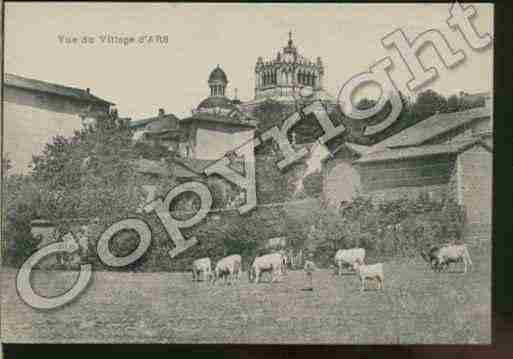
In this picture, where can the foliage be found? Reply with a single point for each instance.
(20, 201)
(387, 229)
(426, 104)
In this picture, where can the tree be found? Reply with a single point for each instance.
(89, 174)
(428, 103)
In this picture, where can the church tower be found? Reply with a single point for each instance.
(287, 74)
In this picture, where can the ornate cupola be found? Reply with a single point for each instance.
(285, 75)
(217, 82)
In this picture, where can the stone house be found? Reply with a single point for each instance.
(35, 111)
(162, 129)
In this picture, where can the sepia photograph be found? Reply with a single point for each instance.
(247, 173)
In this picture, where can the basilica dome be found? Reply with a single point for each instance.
(216, 102)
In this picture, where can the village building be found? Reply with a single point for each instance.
(34, 111)
(217, 125)
(162, 130)
(447, 155)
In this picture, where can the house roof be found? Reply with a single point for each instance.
(390, 154)
(47, 87)
(433, 126)
(218, 118)
(156, 124)
(196, 165)
(172, 168)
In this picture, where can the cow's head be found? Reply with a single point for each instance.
(357, 263)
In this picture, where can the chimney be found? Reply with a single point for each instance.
(161, 112)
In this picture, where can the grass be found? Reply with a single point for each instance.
(417, 306)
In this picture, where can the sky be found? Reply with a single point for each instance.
(140, 78)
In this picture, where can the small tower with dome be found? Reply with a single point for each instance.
(217, 82)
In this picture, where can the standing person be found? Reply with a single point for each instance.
(309, 268)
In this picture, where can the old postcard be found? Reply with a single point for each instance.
(247, 173)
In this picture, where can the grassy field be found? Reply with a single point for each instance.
(417, 306)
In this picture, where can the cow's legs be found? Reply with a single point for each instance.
(339, 268)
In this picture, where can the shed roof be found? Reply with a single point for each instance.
(433, 126)
(390, 154)
(47, 87)
(196, 165)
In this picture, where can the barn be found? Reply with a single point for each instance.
(445, 155)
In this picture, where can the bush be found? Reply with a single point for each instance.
(399, 228)
(21, 200)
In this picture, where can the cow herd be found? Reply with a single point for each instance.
(229, 268)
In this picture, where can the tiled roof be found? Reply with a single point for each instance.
(47, 87)
(217, 118)
(196, 165)
(166, 122)
(433, 126)
(170, 168)
(420, 151)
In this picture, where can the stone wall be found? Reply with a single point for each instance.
(341, 180)
(475, 186)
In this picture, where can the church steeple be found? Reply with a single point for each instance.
(290, 48)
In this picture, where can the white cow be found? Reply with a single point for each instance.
(202, 265)
(453, 254)
(284, 262)
(348, 257)
(372, 271)
(272, 263)
(229, 268)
